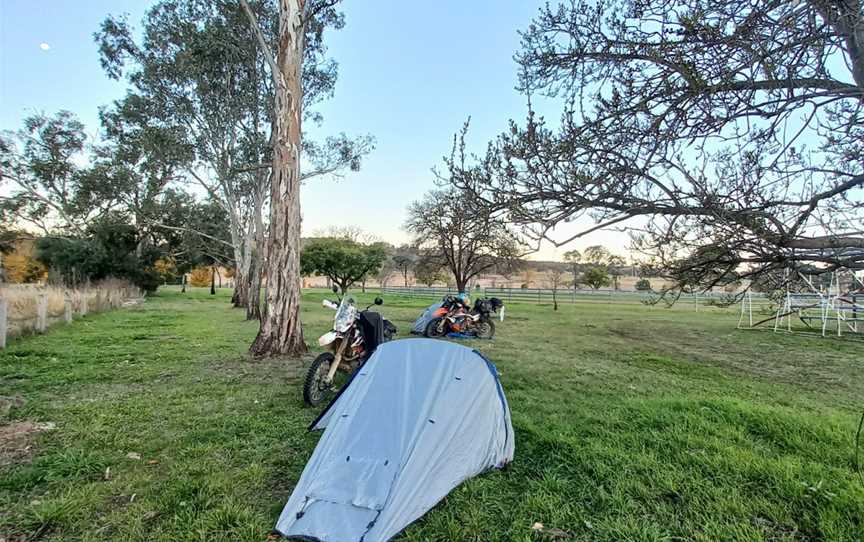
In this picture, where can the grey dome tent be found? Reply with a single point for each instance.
(418, 419)
(423, 320)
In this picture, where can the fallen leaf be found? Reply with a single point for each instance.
(153, 462)
(149, 515)
(133, 455)
(107, 474)
(537, 526)
(273, 536)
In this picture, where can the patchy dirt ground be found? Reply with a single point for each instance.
(17, 440)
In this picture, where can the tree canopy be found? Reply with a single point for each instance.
(465, 239)
(596, 277)
(48, 188)
(724, 135)
(343, 261)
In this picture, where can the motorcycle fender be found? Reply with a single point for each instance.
(327, 338)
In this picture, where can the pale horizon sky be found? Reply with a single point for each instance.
(409, 74)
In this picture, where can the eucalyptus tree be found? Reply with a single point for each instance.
(724, 135)
(298, 52)
(197, 71)
(192, 232)
(138, 160)
(598, 256)
(201, 68)
(46, 186)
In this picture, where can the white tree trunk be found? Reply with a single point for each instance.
(280, 332)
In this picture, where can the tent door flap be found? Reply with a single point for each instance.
(356, 481)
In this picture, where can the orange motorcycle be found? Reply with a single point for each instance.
(455, 316)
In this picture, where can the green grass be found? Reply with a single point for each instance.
(632, 423)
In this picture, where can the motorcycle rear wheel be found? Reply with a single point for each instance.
(315, 391)
(436, 328)
(485, 329)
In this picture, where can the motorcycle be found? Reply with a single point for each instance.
(454, 316)
(354, 337)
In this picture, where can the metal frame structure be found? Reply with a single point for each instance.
(829, 310)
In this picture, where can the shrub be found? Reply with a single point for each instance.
(201, 277)
(643, 285)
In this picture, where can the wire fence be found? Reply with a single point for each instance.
(26, 309)
(600, 296)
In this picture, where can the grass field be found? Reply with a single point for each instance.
(632, 423)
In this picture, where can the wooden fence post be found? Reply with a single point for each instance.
(84, 304)
(41, 313)
(3, 323)
(67, 309)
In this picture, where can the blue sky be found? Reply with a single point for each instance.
(410, 74)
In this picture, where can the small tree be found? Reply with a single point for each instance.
(573, 257)
(405, 259)
(343, 261)
(554, 279)
(614, 265)
(596, 277)
(599, 256)
(462, 237)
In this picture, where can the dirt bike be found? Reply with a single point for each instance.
(354, 337)
(456, 317)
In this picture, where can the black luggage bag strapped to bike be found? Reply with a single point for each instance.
(376, 329)
(372, 327)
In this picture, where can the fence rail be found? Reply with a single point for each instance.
(569, 295)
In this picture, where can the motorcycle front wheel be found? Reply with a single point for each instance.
(436, 328)
(485, 329)
(315, 390)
